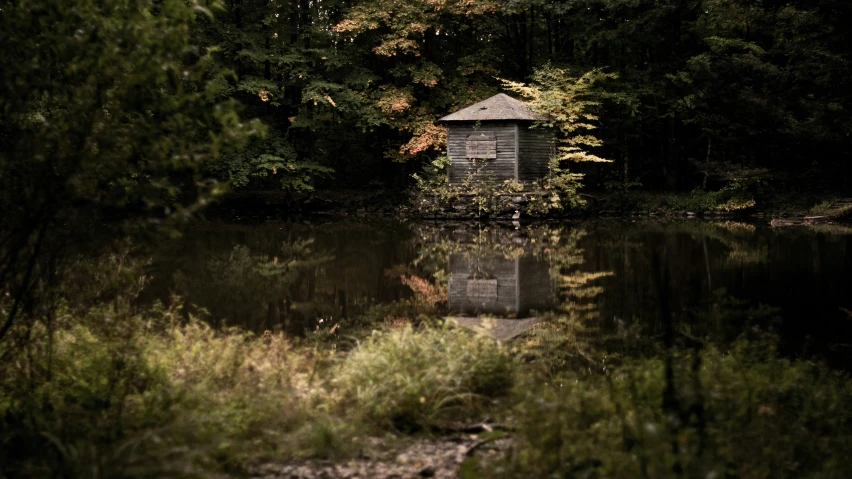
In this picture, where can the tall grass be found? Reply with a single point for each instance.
(116, 393)
(132, 395)
(413, 379)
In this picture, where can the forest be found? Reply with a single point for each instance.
(702, 93)
(350, 91)
(679, 308)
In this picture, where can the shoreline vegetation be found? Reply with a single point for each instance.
(780, 209)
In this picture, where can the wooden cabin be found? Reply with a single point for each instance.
(493, 141)
(490, 283)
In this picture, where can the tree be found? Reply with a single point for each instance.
(570, 102)
(108, 112)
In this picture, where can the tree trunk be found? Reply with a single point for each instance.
(707, 162)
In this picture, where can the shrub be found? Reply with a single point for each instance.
(483, 195)
(744, 414)
(246, 397)
(832, 209)
(413, 379)
(115, 394)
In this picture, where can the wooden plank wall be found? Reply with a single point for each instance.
(489, 265)
(536, 147)
(537, 290)
(499, 169)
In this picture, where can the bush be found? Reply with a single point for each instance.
(483, 195)
(744, 414)
(131, 395)
(246, 397)
(412, 379)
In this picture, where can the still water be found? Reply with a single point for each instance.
(717, 280)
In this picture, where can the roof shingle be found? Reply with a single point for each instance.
(498, 107)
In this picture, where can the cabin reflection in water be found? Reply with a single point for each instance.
(497, 295)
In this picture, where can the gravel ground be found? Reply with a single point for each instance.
(438, 458)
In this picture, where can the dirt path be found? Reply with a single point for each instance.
(438, 458)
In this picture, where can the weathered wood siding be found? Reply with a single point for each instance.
(498, 169)
(523, 285)
(482, 271)
(536, 287)
(535, 148)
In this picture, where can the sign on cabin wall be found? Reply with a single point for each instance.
(481, 146)
(482, 290)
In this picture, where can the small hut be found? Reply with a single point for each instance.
(490, 283)
(492, 140)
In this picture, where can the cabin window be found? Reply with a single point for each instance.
(481, 146)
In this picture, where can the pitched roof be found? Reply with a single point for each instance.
(498, 107)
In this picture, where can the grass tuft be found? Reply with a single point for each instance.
(413, 379)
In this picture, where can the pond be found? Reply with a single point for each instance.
(714, 280)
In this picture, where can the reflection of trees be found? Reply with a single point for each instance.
(570, 335)
(704, 257)
(725, 279)
(288, 277)
(255, 290)
(601, 302)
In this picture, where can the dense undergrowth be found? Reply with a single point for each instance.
(146, 395)
(415, 379)
(479, 195)
(155, 395)
(744, 412)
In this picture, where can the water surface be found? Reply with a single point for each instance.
(718, 280)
